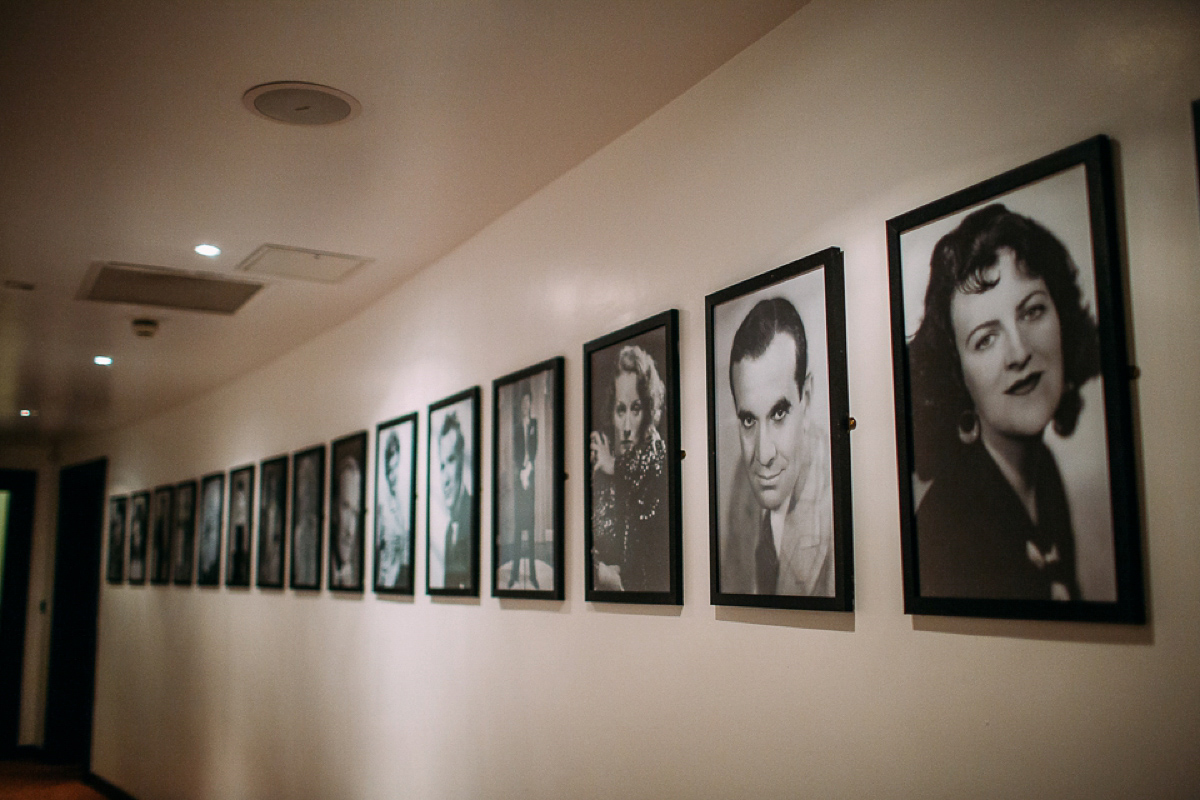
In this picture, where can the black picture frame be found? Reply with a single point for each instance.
(209, 542)
(527, 482)
(308, 517)
(633, 538)
(210, 535)
(272, 523)
(1196, 136)
(161, 525)
(780, 504)
(347, 512)
(139, 536)
(395, 542)
(1044, 352)
(240, 530)
(183, 534)
(114, 571)
(452, 554)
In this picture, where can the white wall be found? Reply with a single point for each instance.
(846, 115)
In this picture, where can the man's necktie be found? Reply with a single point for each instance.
(766, 559)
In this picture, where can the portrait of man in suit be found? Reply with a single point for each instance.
(161, 543)
(778, 539)
(456, 499)
(525, 446)
(347, 502)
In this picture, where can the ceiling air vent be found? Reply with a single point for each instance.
(139, 285)
(297, 262)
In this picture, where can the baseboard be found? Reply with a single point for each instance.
(105, 788)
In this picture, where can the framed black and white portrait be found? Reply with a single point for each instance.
(452, 499)
(308, 513)
(395, 504)
(139, 525)
(347, 505)
(779, 442)
(240, 529)
(1196, 133)
(632, 527)
(1014, 440)
(212, 515)
(162, 523)
(272, 517)
(115, 570)
(183, 535)
(527, 482)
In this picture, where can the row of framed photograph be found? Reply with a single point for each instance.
(178, 533)
(1013, 431)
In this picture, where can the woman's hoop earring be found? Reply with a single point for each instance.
(968, 426)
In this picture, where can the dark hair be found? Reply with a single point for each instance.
(650, 387)
(960, 262)
(766, 320)
(450, 424)
(391, 448)
(523, 391)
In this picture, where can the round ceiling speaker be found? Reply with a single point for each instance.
(299, 103)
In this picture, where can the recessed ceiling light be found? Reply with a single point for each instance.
(210, 250)
(103, 361)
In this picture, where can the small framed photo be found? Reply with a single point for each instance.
(162, 525)
(779, 441)
(347, 504)
(632, 526)
(115, 570)
(241, 520)
(1014, 438)
(527, 482)
(272, 516)
(1196, 132)
(395, 504)
(308, 516)
(452, 498)
(139, 523)
(212, 515)
(183, 536)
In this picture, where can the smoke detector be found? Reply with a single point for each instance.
(145, 327)
(300, 103)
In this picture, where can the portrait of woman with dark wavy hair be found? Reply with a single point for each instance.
(1007, 342)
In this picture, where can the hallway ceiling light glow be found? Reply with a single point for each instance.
(25, 412)
(103, 361)
(210, 250)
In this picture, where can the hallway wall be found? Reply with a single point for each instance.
(848, 114)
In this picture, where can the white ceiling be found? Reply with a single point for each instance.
(123, 138)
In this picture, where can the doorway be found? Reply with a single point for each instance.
(18, 488)
(71, 684)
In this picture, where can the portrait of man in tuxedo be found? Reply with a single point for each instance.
(525, 446)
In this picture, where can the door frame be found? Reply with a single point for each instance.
(14, 605)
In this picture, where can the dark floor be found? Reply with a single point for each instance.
(31, 780)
